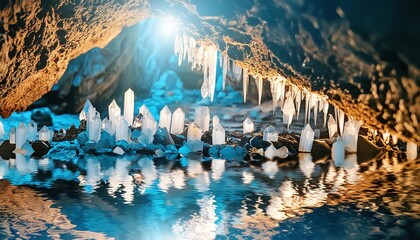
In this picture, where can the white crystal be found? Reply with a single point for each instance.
(149, 126)
(245, 81)
(95, 126)
(216, 120)
(350, 135)
(272, 152)
(87, 106)
(114, 111)
(121, 132)
(259, 83)
(143, 110)
(332, 126)
(412, 151)
(44, 134)
(118, 151)
(178, 118)
(306, 139)
(194, 132)
(20, 135)
(224, 70)
(337, 151)
(270, 134)
(386, 136)
(209, 69)
(129, 106)
(202, 118)
(165, 118)
(248, 126)
(32, 131)
(25, 150)
(12, 135)
(82, 115)
(218, 136)
(325, 111)
(106, 125)
(288, 111)
(1, 130)
(305, 164)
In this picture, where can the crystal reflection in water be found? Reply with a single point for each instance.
(134, 198)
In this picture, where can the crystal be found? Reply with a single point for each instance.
(270, 134)
(32, 131)
(224, 70)
(1, 130)
(386, 137)
(118, 151)
(143, 110)
(95, 126)
(178, 118)
(341, 121)
(337, 152)
(306, 165)
(283, 152)
(165, 118)
(202, 118)
(216, 120)
(248, 126)
(44, 134)
(149, 126)
(218, 136)
(20, 135)
(394, 139)
(259, 83)
(87, 106)
(12, 135)
(114, 111)
(350, 135)
(306, 139)
(288, 111)
(271, 152)
(82, 115)
(25, 150)
(245, 81)
(121, 130)
(307, 97)
(332, 126)
(411, 150)
(194, 132)
(209, 70)
(129, 106)
(106, 125)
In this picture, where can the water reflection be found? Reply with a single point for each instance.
(207, 199)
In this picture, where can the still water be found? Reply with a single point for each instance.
(138, 197)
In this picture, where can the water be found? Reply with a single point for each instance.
(137, 197)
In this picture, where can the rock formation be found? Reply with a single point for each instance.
(363, 55)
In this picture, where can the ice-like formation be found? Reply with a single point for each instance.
(20, 135)
(114, 111)
(306, 139)
(25, 150)
(149, 126)
(306, 165)
(218, 136)
(44, 134)
(1, 130)
(224, 70)
(165, 118)
(332, 126)
(202, 118)
(12, 135)
(341, 121)
(32, 131)
(143, 110)
(350, 135)
(217, 168)
(288, 111)
(411, 150)
(270, 134)
(259, 82)
(216, 120)
(178, 119)
(272, 152)
(129, 106)
(248, 126)
(338, 151)
(325, 111)
(194, 132)
(95, 126)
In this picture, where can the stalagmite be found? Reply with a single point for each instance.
(259, 83)
(129, 106)
(165, 118)
(32, 131)
(143, 110)
(194, 132)
(12, 135)
(270, 134)
(21, 133)
(178, 118)
(216, 120)
(332, 126)
(306, 139)
(248, 126)
(218, 136)
(121, 132)
(337, 151)
(106, 125)
(298, 101)
(149, 126)
(350, 135)
(411, 150)
(202, 118)
(44, 134)
(245, 82)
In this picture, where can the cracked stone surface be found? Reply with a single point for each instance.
(363, 55)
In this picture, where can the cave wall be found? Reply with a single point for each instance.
(363, 55)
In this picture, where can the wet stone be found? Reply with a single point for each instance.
(41, 148)
(6, 150)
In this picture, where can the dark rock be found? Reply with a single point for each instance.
(163, 137)
(258, 142)
(207, 137)
(41, 148)
(179, 139)
(42, 117)
(367, 151)
(320, 151)
(6, 150)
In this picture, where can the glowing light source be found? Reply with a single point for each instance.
(168, 25)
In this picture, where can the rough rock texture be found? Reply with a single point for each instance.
(39, 38)
(363, 55)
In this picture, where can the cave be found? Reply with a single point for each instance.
(188, 119)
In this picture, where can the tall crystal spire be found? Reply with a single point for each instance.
(129, 106)
(202, 118)
(178, 119)
(165, 118)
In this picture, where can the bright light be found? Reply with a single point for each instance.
(168, 25)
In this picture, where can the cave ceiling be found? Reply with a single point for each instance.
(363, 55)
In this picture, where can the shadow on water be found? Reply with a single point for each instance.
(141, 198)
